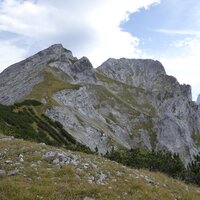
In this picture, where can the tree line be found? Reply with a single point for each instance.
(162, 161)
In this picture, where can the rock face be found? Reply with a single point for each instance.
(124, 103)
(18, 80)
(136, 72)
(198, 100)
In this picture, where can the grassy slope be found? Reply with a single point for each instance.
(40, 179)
(52, 83)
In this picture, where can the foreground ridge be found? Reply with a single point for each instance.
(37, 171)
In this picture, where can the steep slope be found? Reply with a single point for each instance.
(198, 100)
(135, 72)
(176, 119)
(125, 103)
(22, 120)
(37, 171)
(18, 80)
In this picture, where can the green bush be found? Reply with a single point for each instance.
(20, 120)
(193, 170)
(163, 161)
(28, 102)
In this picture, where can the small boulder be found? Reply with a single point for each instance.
(2, 172)
(8, 162)
(13, 172)
(49, 155)
(88, 198)
(21, 158)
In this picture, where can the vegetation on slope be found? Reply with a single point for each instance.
(162, 161)
(193, 170)
(127, 94)
(53, 81)
(21, 120)
(43, 174)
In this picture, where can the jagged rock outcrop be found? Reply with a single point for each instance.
(172, 102)
(124, 103)
(18, 80)
(198, 100)
(137, 72)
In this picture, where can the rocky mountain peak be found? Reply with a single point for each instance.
(56, 50)
(125, 103)
(18, 80)
(57, 47)
(136, 72)
(41, 58)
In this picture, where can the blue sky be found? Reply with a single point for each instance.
(166, 30)
(170, 32)
(157, 27)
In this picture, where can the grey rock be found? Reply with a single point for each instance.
(101, 178)
(49, 154)
(33, 165)
(18, 80)
(148, 180)
(79, 71)
(2, 172)
(88, 198)
(3, 138)
(198, 100)
(74, 162)
(13, 172)
(56, 161)
(21, 158)
(123, 103)
(136, 72)
(61, 158)
(118, 173)
(8, 162)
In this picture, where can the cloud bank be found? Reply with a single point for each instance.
(90, 28)
(186, 67)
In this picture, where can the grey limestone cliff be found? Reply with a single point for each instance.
(124, 103)
(198, 100)
(176, 120)
(137, 72)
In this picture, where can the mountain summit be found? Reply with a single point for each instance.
(123, 104)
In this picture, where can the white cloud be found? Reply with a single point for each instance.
(186, 67)
(10, 54)
(90, 28)
(179, 32)
(26, 18)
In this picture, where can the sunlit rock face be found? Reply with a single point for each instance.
(124, 103)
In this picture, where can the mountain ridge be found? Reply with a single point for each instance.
(124, 103)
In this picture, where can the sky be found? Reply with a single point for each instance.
(164, 30)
